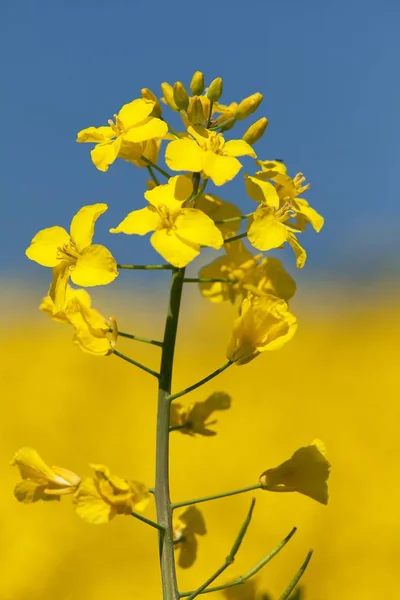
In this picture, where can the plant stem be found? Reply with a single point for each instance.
(136, 363)
(201, 382)
(236, 237)
(152, 175)
(208, 280)
(147, 521)
(130, 336)
(296, 578)
(146, 267)
(231, 556)
(156, 167)
(253, 571)
(233, 219)
(249, 488)
(162, 496)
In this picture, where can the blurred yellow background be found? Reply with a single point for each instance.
(337, 380)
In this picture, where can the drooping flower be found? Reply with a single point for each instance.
(247, 273)
(194, 419)
(179, 231)
(306, 472)
(41, 482)
(264, 323)
(187, 524)
(91, 328)
(207, 153)
(100, 498)
(123, 136)
(73, 255)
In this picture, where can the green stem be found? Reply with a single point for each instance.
(233, 219)
(199, 191)
(201, 382)
(148, 521)
(178, 427)
(223, 124)
(231, 556)
(253, 571)
(146, 267)
(236, 237)
(156, 167)
(210, 114)
(162, 495)
(152, 175)
(136, 363)
(130, 336)
(297, 577)
(249, 488)
(208, 280)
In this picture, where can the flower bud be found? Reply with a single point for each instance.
(197, 83)
(248, 106)
(168, 92)
(181, 96)
(255, 131)
(195, 111)
(148, 95)
(214, 91)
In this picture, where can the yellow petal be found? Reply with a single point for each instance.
(310, 214)
(95, 266)
(274, 279)
(32, 466)
(150, 128)
(300, 253)
(196, 227)
(238, 148)
(220, 169)
(266, 232)
(219, 210)
(90, 506)
(172, 194)
(184, 155)
(262, 191)
(99, 346)
(58, 288)
(44, 246)
(173, 249)
(95, 134)
(103, 155)
(150, 150)
(272, 167)
(82, 225)
(134, 112)
(216, 291)
(139, 222)
(29, 491)
(132, 152)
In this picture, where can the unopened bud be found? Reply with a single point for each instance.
(181, 96)
(195, 111)
(214, 91)
(255, 131)
(148, 95)
(197, 83)
(248, 106)
(168, 92)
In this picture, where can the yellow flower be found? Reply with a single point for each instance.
(219, 210)
(133, 125)
(264, 323)
(207, 153)
(91, 328)
(247, 272)
(187, 524)
(194, 419)
(41, 482)
(100, 498)
(288, 190)
(73, 255)
(306, 472)
(178, 231)
(268, 229)
(149, 149)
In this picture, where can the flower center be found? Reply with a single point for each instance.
(68, 253)
(117, 126)
(215, 143)
(167, 218)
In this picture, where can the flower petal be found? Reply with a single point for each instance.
(300, 253)
(134, 112)
(99, 346)
(90, 506)
(95, 134)
(216, 291)
(310, 214)
(58, 288)
(32, 466)
(150, 128)
(29, 491)
(173, 249)
(196, 227)
(103, 155)
(238, 148)
(184, 155)
(265, 231)
(220, 169)
(262, 191)
(219, 210)
(44, 246)
(95, 266)
(171, 194)
(139, 222)
(82, 225)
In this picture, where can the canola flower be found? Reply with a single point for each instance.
(183, 219)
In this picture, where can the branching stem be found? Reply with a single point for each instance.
(136, 363)
(249, 488)
(201, 382)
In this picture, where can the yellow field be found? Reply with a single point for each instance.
(337, 380)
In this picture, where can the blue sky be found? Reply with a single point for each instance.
(329, 73)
